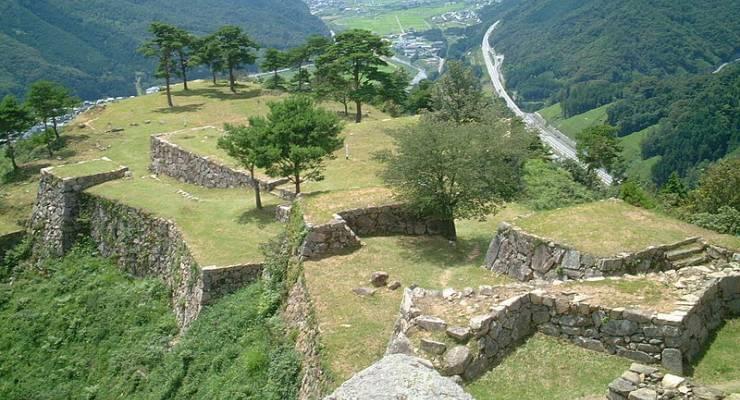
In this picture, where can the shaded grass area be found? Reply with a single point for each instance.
(221, 227)
(575, 124)
(718, 365)
(609, 227)
(84, 329)
(355, 330)
(547, 368)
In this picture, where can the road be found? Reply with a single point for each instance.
(561, 145)
(421, 74)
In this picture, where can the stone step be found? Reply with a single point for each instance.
(690, 262)
(683, 243)
(683, 253)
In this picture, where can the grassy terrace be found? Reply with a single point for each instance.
(385, 18)
(609, 227)
(347, 320)
(85, 168)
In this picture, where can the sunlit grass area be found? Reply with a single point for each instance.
(575, 124)
(611, 226)
(431, 262)
(85, 168)
(718, 365)
(547, 368)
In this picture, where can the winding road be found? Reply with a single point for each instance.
(561, 145)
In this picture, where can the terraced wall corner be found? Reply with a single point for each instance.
(526, 256)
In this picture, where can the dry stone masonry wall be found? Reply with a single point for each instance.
(643, 382)
(469, 349)
(10, 240)
(525, 256)
(141, 244)
(172, 160)
(343, 232)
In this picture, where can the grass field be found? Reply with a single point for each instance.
(637, 168)
(609, 227)
(575, 124)
(546, 368)
(85, 168)
(386, 20)
(718, 365)
(431, 262)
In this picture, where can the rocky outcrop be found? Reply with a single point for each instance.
(526, 256)
(399, 376)
(172, 160)
(672, 339)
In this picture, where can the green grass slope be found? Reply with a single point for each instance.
(575, 124)
(84, 330)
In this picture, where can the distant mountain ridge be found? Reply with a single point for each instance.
(90, 45)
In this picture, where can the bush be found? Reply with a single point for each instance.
(726, 220)
(547, 187)
(632, 193)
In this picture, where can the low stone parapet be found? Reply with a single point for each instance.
(643, 382)
(526, 256)
(10, 240)
(174, 161)
(220, 281)
(329, 238)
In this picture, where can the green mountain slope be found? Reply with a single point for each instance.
(561, 49)
(90, 45)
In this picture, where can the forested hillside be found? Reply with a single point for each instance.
(90, 45)
(580, 53)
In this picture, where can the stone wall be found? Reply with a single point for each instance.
(53, 223)
(389, 220)
(672, 339)
(643, 382)
(172, 160)
(10, 240)
(525, 256)
(299, 317)
(329, 238)
(343, 232)
(141, 244)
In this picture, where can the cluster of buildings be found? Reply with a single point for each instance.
(413, 46)
(463, 17)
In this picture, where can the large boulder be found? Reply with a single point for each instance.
(398, 376)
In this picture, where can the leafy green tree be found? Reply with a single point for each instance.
(208, 53)
(328, 83)
(548, 187)
(718, 187)
(392, 91)
(598, 147)
(420, 97)
(183, 45)
(237, 49)
(298, 137)
(163, 46)
(446, 171)
(631, 192)
(458, 96)
(358, 54)
(15, 119)
(274, 60)
(243, 143)
(49, 101)
(300, 56)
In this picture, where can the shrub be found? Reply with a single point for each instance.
(632, 193)
(547, 187)
(726, 220)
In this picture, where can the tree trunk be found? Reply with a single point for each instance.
(167, 89)
(300, 76)
(449, 231)
(358, 115)
(11, 153)
(54, 125)
(183, 70)
(48, 142)
(213, 71)
(232, 83)
(297, 184)
(256, 183)
(346, 108)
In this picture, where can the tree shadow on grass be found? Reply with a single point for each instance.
(260, 218)
(219, 94)
(24, 173)
(180, 109)
(442, 253)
